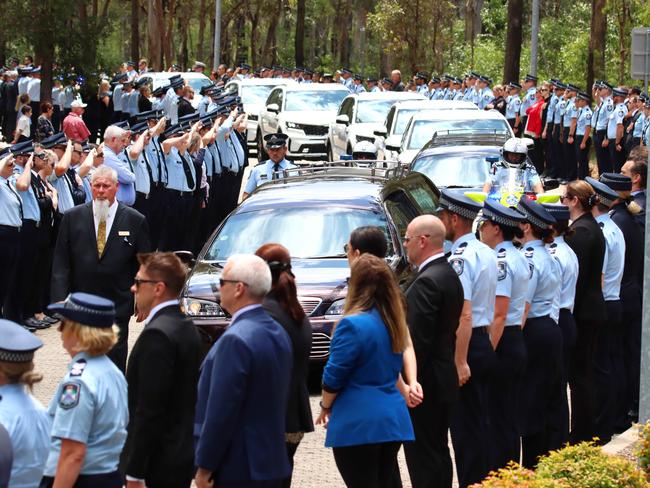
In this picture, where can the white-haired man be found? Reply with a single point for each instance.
(96, 252)
(243, 387)
(114, 144)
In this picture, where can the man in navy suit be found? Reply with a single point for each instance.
(243, 388)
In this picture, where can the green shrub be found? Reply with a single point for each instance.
(516, 476)
(643, 448)
(585, 465)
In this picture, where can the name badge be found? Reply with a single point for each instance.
(124, 233)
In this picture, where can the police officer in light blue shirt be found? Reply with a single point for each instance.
(609, 349)
(276, 145)
(485, 92)
(513, 104)
(530, 88)
(498, 225)
(582, 140)
(645, 134)
(357, 84)
(541, 395)
(562, 314)
(22, 415)
(433, 87)
(89, 406)
(114, 157)
(476, 266)
(170, 101)
(569, 167)
(421, 87)
(614, 142)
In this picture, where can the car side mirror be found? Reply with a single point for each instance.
(380, 132)
(393, 147)
(186, 257)
(551, 184)
(343, 119)
(273, 107)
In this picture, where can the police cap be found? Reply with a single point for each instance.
(604, 84)
(386, 81)
(158, 92)
(422, 75)
(17, 345)
(245, 66)
(535, 213)
(22, 148)
(583, 96)
(173, 130)
(346, 71)
(148, 115)
(358, 77)
(273, 141)
(616, 181)
(560, 86)
(514, 84)
(572, 88)
(139, 127)
(530, 77)
(456, 202)
(119, 78)
(124, 124)
(560, 212)
(606, 194)
(500, 214)
(86, 309)
(619, 92)
(485, 79)
(189, 119)
(54, 140)
(371, 79)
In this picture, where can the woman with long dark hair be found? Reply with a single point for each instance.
(366, 416)
(282, 304)
(588, 243)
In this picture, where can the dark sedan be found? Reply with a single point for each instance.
(313, 217)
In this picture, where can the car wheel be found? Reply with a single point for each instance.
(261, 152)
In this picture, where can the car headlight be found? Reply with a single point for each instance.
(201, 308)
(365, 138)
(336, 308)
(293, 125)
(252, 117)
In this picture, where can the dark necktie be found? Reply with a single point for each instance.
(188, 172)
(276, 168)
(20, 202)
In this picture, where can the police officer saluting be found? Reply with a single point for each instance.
(614, 141)
(476, 266)
(276, 146)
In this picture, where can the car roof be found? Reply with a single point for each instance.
(458, 149)
(397, 96)
(427, 114)
(337, 191)
(316, 87)
(262, 81)
(169, 74)
(436, 105)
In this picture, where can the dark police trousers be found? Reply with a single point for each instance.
(569, 164)
(616, 158)
(470, 421)
(505, 388)
(602, 154)
(541, 393)
(631, 301)
(582, 155)
(569, 335)
(108, 480)
(18, 292)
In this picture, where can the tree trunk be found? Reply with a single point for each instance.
(240, 48)
(269, 55)
(202, 18)
(596, 55)
(513, 41)
(300, 33)
(169, 34)
(135, 31)
(622, 16)
(155, 18)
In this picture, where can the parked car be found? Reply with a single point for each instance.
(253, 93)
(195, 80)
(359, 116)
(312, 214)
(422, 127)
(304, 113)
(399, 115)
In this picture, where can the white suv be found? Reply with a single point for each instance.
(303, 112)
(359, 116)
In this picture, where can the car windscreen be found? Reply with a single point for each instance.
(423, 130)
(255, 94)
(370, 111)
(461, 169)
(403, 117)
(305, 231)
(317, 100)
(197, 83)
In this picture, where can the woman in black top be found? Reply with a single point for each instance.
(282, 304)
(589, 311)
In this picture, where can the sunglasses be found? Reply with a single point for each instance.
(407, 238)
(139, 281)
(223, 281)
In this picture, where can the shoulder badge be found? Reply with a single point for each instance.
(531, 267)
(601, 224)
(501, 253)
(261, 163)
(70, 395)
(502, 270)
(552, 248)
(458, 265)
(78, 368)
(461, 249)
(529, 252)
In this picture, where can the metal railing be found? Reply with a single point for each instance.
(368, 169)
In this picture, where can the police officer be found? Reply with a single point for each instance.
(89, 410)
(563, 307)
(214, 172)
(372, 85)
(582, 139)
(136, 158)
(11, 221)
(623, 214)
(541, 393)
(204, 103)
(645, 132)
(476, 266)
(530, 87)
(568, 112)
(603, 92)
(172, 96)
(556, 153)
(638, 120)
(458, 91)
(513, 104)
(434, 88)
(547, 133)
(485, 94)
(421, 78)
(609, 368)
(276, 145)
(514, 156)
(498, 226)
(357, 84)
(21, 414)
(614, 142)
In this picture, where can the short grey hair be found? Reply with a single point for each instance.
(113, 131)
(252, 270)
(104, 171)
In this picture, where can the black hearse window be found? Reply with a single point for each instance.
(401, 211)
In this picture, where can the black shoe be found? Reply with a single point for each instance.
(49, 320)
(36, 324)
(30, 329)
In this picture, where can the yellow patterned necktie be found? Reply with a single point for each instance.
(101, 236)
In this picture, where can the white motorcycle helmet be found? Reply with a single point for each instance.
(514, 152)
(364, 150)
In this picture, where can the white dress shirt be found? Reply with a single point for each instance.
(429, 259)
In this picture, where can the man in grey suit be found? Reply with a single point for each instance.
(434, 304)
